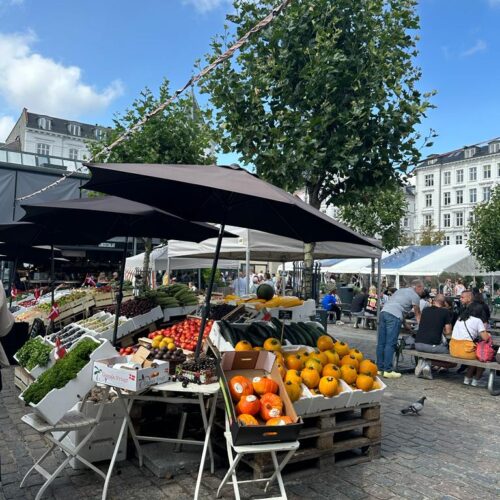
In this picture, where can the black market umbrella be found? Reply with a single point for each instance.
(224, 195)
(111, 216)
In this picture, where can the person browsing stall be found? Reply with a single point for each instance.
(391, 317)
(331, 302)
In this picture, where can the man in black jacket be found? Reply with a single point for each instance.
(358, 304)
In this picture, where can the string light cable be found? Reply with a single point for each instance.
(263, 23)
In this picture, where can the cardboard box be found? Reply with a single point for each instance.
(252, 364)
(131, 380)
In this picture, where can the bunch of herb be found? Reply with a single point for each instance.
(61, 373)
(33, 353)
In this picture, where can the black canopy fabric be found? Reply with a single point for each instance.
(110, 216)
(32, 255)
(220, 194)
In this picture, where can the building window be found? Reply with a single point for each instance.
(447, 178)
(459, 219)
(427, 220)
(99, 134)
(469, 152)
(44, 123)
(405, 222)
(460, 197)
(486, 193)
(458, 239)
(473, 174)
(447, 198)
(494, 147)
(446, 240)
(428, 200)
(460, 176)
(74, 129)
(73, 154)
(487, 172)
(429, 180)
(471, 218)
(446, 220)
(42, 149)
(473, 195)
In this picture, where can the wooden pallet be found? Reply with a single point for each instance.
(22, 379)
(343, 437)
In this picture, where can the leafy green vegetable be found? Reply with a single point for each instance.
(61, 373)
(33, 353)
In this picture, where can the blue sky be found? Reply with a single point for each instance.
(88, 59)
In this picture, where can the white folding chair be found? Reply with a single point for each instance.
(243, 450)
(72, 421)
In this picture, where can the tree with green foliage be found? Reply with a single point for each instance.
(326, 98)
(484, 237)
(181, 134)
(429, 235)
(377, 213)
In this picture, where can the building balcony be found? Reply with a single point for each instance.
(36, 160)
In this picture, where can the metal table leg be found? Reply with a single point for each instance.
(205, 424)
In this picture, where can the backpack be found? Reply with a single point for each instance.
(485, 351)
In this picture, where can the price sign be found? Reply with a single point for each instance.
(283, 314)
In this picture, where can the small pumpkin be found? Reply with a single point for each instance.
(325, 342)
(261, 385)
(357, 354)
(364, 381)
(331, 370)
(313, 363)
(349, 373)
(321, 356)
(248, 405)
(282, 370)
(368, 366)
(342, 348)
(272, 399)
(240, 386)
(293, 390)
(283, 420)
(328, 386)
(293, 376)
(243, 345)
(247, 420)
(349, 359)
(272, 344)
(294, 362)
(310, 377)
(332, 356)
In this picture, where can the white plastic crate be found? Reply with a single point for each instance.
(359, 397)
(59, 401)
(148, 318)
(320, 403)
(303, 404)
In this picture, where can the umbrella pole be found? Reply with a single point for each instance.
(119, 295)
(379, 286)
(52, 274)
(12, 279)
(247, 261)
(208, 296)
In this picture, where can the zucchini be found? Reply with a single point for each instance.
(299, 335)
(310, 340)
(232, 335)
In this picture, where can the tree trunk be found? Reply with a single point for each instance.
(148, 245)
(307, 275)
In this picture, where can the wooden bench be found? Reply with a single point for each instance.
(491, 367)
(366, 319)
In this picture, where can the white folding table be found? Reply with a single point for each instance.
(170, 392)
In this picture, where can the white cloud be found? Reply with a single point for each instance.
(6, 125)
(494, 3)
(28, 79)
(479, 46)
(206, 5)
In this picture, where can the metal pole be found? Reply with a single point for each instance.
(119, 295)
(12, 279)
(283, 281)
(52, 274)
(379, 286)
(247, 261)
(208, 294)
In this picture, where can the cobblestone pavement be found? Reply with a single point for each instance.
(451, 451)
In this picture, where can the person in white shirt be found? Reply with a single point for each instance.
(468, 328)
(6, 324)
(240, 284)
(459, 288)
(268, 280)
(254, 284)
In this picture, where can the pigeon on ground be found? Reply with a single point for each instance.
(414, 408)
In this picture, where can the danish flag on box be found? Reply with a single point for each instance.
(60, 349)
(36, 293)
(54, 312)
(13, 292)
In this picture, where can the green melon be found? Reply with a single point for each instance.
(265, 291)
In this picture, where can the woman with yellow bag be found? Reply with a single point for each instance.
(469, 329)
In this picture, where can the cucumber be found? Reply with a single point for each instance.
(290, 335)
(300, 337)
(230, 335)
(310, 341)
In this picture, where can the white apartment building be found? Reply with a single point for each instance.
(55, 137)
(448, 187)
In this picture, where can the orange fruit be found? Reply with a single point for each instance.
(328, 386)
(349, 373)
(314, 363)
(294, 362)
(349, 360)
(293, 376)
(332, 356)
(325, 342)
(310, 377)
(321, 356)
(331, 370)
(364, 382)
(357, 354)
(272, 344)
(367, 365)
(342, 348)
(243, 345)
(293, 390)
